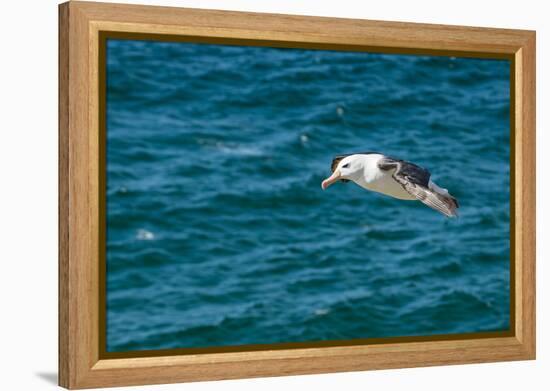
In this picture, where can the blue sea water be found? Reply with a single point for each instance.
(218, 232)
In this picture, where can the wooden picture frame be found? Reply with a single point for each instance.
(82, 360)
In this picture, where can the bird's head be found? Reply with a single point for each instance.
(344, 168)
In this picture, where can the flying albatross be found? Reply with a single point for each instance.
(393, 177)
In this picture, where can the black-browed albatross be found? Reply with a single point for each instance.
(393, 177)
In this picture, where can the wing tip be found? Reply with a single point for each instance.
(451, 205)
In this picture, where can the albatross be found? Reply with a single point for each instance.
(393, 177)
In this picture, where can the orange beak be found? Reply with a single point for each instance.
(331, 179)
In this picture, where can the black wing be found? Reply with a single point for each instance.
(415, 180)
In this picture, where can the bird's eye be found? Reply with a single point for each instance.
(345, 165)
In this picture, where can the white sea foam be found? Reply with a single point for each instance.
(231, 148)
(321, 311)
(240, 150)
(143, 234)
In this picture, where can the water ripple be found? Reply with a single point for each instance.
(219, 234)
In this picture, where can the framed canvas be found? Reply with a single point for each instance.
(219, 217)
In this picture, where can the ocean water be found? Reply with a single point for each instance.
(218, 232)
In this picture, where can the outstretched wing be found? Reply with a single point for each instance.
(416, 181)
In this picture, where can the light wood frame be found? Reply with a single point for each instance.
(81, 364)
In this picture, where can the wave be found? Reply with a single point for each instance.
(218, 232)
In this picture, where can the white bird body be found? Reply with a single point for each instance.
(374, 179)
(393, 177)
